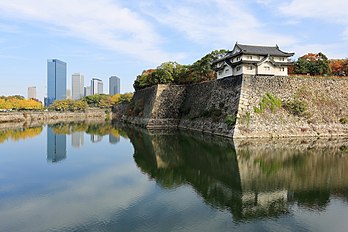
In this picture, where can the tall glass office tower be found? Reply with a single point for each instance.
(56, 80)
(114, 85)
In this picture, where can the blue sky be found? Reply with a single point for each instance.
(113, 37)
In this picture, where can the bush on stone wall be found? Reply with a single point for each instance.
(296, 107)
(230, 120)
(344, 120)
(268, 102)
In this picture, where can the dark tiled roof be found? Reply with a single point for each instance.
(262, 50)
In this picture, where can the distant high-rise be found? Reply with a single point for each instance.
(96, 86)
(56, 80)
(114, 85)
(87, 91)
(32, 92)
(68, 94)
(77, 84)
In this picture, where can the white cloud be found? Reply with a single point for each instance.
(335, 10)
(102, 22)
(218, 22)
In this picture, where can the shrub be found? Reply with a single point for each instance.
(268, 101)
(344, 120)
(296, 107)
(230, 120)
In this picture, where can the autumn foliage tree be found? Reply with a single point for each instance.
(17, 102)
(339, 67)
(313, 64)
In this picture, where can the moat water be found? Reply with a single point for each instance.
(104, 177)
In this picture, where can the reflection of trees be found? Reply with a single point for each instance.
(175, 159)
(90, 128)
(19, 134)
(252, 181)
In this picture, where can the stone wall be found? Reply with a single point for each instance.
(227, 107)
(326, 102)
(157, 106)
(28, 118)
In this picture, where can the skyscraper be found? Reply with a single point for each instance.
(56, 80)
(32, 92)
(96, 86)
(68, 94)
(114, 85)
(87, 91)
(77, 81)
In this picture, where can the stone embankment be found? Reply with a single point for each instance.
(28, 118)
(227, 107)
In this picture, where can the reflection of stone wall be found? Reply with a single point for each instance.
(295, 165)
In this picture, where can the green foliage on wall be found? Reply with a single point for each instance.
(296, 107)
(268, 102)
(230, 120)
(344, 120)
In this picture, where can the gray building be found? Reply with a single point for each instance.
(32, 92)
(77, 84)
(87, 91)
(114, 85)
(56, 80)
(96, 86)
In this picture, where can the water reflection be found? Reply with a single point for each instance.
(96, 138)
(20, 133)
(114, 139)
(56, 146)
(251, 179)
(77, 139)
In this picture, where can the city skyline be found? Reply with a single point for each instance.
(145, 34)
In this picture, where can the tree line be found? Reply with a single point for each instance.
(318, 64)
(175, 73)
(18, 102)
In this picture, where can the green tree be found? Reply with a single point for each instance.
(97, 100)
(314, 64)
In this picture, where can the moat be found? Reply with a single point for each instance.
(110, 177)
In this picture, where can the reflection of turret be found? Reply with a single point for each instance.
(56, 146)
(77, 139)
(310, 169)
